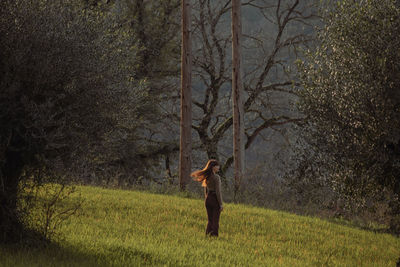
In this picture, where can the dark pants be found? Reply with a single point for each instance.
(213, 213)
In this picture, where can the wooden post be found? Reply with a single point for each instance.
(237, 94)
(186, 97)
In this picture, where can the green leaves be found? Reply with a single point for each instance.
(351, 87)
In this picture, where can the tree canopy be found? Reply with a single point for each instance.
(351, 98)
(68, 100)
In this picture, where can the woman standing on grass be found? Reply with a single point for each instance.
(212, 191)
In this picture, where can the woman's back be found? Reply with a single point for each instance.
(214, 185)
(211, 183)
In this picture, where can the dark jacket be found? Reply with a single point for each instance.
(214, 185)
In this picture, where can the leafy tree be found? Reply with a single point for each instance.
(65, 94)
(351, 98)
(150, 31)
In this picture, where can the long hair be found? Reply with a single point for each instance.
(204, 174)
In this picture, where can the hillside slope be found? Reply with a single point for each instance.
(130, 228)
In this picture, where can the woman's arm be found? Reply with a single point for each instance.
(205, 192)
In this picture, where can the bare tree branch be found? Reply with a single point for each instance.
(212, 68)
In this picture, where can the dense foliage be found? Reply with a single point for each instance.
(67, 99)
(351, 98)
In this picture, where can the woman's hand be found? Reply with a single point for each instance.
(221, 208)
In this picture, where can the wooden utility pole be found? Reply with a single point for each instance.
(237, 94)
(186, 97)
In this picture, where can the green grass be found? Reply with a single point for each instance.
(131, 228)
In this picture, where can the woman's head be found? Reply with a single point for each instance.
(212, 164)
(211, 167)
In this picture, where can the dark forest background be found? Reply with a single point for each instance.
(89, 94)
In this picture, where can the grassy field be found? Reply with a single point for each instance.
(130, 228)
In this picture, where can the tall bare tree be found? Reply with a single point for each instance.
(268, 86)
(237, 95)
(186, 97)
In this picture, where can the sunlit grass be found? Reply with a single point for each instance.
(131, 228)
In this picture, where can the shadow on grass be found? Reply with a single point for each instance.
(355, 222)
(369, 227)
(49, 255)
(53, 254)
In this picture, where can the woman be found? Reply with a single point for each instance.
(212, 190)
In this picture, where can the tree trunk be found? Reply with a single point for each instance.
(10, 224)
(237, 87)
(186, 98)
